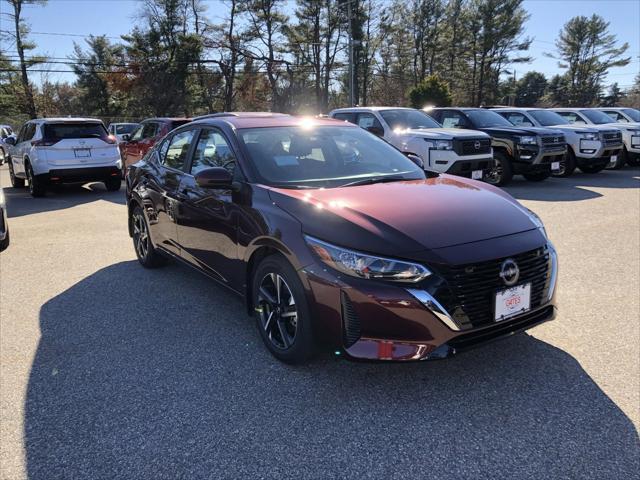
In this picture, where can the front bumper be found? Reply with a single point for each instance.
(463, 168)
(78, 175)
(370, 320)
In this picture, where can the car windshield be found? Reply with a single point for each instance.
(597, 117)
(61, 131)
(402, 118)
(632, 113)
(487, 118)
(126, 128)
(324, 157)
(547, 118)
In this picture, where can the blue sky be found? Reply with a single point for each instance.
(115, 17)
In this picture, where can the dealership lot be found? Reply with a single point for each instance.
(109, 370)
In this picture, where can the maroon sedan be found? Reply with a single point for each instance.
(143, 138)
(335, 238)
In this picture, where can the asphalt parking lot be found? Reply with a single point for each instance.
(112, 371)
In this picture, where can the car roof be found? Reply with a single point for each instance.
(462, 109)
(166, 119)
(67, 119)
(522, 109)
(265, 119)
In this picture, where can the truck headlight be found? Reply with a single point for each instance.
(633, 131)
(363, 265)
(439, 144)
(527, 140)
(588, 136)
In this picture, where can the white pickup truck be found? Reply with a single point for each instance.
(466, 153)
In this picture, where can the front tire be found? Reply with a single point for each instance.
(113, 184)
(633, 162)
(282, 312)
(568, 165)
(15, 181)
(37, 188)
(147, 254)
(502, 171)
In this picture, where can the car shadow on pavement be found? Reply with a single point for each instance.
(20, 202)
(161, 374)
(574, 188)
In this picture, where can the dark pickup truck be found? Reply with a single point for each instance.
(531, 152)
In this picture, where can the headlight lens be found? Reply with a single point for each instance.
(528, 140)
(362, 265)
(440, 144)
(536, 220)
(589, 136)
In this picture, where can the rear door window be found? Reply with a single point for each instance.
(347, 117)
(62, 131)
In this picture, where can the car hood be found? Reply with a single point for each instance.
(521, 130)
(442, 133)
(621, 126)
(577, 129)
(403, 217)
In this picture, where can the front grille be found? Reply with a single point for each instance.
(468, 147)
(473, 286)
(553, 142)
(612, 138)
(350, 321)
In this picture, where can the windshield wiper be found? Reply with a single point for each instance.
(379, 179)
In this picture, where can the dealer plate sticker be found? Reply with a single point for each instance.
(512, 301)
(476, 175)
(613, 159)
(82, 152)
(555, 166)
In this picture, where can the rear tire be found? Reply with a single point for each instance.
(15, 181)
(113, 184)
(502, 171)
(592, 168)
(568, 165)
(147, 254)
(537, 176)
(37, 188)
(282, 313)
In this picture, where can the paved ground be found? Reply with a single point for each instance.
(112, 371)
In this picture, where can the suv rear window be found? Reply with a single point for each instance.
(61, 131)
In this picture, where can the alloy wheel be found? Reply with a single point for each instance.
(562, 169)
(494, 175)
(140, 236)
(278, 311)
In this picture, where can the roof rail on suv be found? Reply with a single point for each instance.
(240, 114)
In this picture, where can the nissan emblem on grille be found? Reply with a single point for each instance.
(509, 272)
(477, 144)
(555, 139)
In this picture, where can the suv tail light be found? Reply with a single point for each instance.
(111, 139)
(43, 143)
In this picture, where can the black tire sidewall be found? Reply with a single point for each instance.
(153, 259)
(507, 169)
(303, 347)
(570, 164)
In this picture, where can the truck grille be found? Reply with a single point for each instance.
(474, 286)
(553, 142)
(612, 138)
(473, 146)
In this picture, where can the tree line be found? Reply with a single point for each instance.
(187, 57)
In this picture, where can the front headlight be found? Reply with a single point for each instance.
(538, 223)
(527, 140)
(439, 144)
(588, 136)
(633, 131)
(362, 265)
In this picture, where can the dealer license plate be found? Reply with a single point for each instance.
(476, 174)
(82, 152)
(512, 301)
(555, 166)
(613, 159)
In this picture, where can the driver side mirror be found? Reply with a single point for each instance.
(10, 141)
(415, 159)
(214, 177)
(375, 130)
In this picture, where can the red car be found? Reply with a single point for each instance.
(336, 238)
(145, 136)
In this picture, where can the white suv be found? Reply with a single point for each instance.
(630, 131)
(64, 150)
(467, 153)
